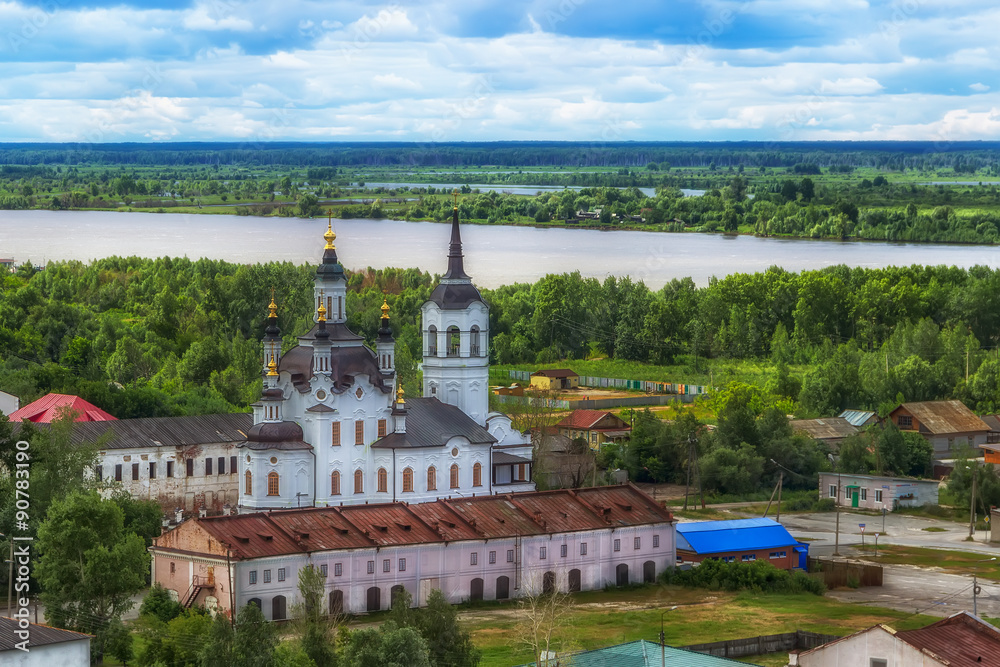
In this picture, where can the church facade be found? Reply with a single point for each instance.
(334, 428)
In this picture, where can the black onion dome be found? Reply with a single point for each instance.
(274, 432)
(330, 267)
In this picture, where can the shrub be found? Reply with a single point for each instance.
(757, 576)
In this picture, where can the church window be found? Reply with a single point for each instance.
(335, 440)
(407, 480)
(474, 342)
(383, 486)
(432, 479)
(272, 484)
(329, 305)
(432, 341)
(477, 475)
(359, 432)
(454, 341)
(248, 482)
(381, 428)
(454, 475)
(359, 481)
(335, 483)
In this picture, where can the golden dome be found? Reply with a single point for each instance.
(272, 368)
(273, 307)
(330, 236)
(399, 395)
(385, 308)
(321, 312)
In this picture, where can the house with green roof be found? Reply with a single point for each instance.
(640, 653)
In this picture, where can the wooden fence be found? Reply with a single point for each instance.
(741, 648)
(840, 573)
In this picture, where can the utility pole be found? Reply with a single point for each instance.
(687, 484)
(975, 594)
(972, 506)
(836, 504)
(781, 478)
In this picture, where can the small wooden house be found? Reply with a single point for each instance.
(555, 379)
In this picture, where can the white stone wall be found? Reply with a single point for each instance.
(450, 568)
(65, 654)
(461, 380)
(178, 489)
(861, 648)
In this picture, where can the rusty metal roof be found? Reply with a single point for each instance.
(165, 431)
(389, 524)
(440, 517)
(264, 534)
(628, 507)
(941, 417)
(41, 635)
(586, 419)
(828, 428)
(963, 640)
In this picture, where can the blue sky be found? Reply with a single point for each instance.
(586, 70)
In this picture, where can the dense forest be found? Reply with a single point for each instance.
(895, 155)
(142, 337)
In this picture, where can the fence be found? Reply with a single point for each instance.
(594, 403)
(648, 386)
(740, 648)
(840, 573)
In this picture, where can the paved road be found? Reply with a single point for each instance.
(906, 588)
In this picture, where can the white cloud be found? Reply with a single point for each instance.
(979, 87)
(216, 16)
(850, 86)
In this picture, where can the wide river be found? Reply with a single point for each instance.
(494, 255)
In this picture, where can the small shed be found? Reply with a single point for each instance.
(555, 379)
(743, 540)
(40, 645)
(859, 418)
(875, 493)
(831, 430)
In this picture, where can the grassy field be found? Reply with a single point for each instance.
(603, 618)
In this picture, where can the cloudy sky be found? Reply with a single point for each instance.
(173, 70)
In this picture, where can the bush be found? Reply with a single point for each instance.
(757, 576)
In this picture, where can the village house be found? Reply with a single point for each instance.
(483, 547)
(180, 462)
(947, 425)
(961, 640)
(9, 403)
(828, 430)
(877, 493)
(740, 540)
(860, 418)
(52, 406)
(46, 646)
(596, 427)
(555, 379)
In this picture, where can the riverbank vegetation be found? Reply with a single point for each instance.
(880, 191)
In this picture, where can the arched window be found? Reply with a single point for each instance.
(359, 481)
(383, 478)
(248, 483)
(272, 484)
(408, 480)
(432, 341)
(335, 483)
(432, 484)
(474, 341)
(454, 341)
(454, 475)
(477, 474)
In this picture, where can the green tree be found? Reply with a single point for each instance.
(255, 640)
(386, 646)
(448, 644)
(89, 567)
(317, 637)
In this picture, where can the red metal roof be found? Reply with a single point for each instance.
(585, 419)
(51, 406)
(263, 534)
(962, 639)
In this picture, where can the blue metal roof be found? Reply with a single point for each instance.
(641, 653)
(712, 537)
(857, 417)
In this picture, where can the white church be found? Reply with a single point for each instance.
(334, 428)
